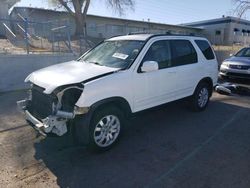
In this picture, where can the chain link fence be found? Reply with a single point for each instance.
(57, 36)
(24, 36)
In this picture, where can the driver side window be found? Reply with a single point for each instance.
(159, 52)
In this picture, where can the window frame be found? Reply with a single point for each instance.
(193, 48)
(167, 42)
(171, 52)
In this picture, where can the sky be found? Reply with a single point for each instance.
(161, 11)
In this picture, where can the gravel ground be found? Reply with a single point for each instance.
(163, 147)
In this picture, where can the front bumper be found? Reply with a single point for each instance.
(235, 73)
(52, 124)
(35, 123)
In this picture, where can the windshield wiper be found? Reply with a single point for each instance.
(96, 63)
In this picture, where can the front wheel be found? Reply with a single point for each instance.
(105, 128)
(200, 99)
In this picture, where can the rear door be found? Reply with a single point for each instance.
(185, 59)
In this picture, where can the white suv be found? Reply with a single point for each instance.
(123, 75)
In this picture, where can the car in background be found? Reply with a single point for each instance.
(237, 66)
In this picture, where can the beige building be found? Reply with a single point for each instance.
(96, 26)
(106, 27)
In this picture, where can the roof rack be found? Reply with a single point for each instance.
(162, 34)
(178, 34)
(139, 32)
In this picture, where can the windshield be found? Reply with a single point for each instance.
(245, 52)
(117, 54)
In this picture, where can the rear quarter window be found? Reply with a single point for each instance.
(205, 48)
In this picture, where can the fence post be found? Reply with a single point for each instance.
(26, 34)
(80, 40)
(68, 36)
(53, 40)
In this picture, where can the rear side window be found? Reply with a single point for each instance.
(183, 52)
(205, 48)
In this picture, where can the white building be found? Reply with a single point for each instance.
(225, 30)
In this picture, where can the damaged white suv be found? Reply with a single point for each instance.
(123, 75)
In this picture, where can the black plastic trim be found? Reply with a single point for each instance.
(120, 101)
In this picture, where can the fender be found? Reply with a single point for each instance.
(209, 81)
(118, 101)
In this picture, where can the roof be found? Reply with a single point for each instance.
(228, 19)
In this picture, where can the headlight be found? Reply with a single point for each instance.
(225, 64)
(29, 92)
(80, 110)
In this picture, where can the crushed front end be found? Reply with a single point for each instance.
(51, 113)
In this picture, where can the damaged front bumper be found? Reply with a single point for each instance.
(56, 124)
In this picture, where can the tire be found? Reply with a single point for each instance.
(102, 118)
(200, 99)
(102, 133)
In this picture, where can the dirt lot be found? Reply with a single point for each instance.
(164, 147)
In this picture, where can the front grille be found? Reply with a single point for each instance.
(239, 75)
(239, 67)
(41, 103)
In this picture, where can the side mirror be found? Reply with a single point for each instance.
(149, 66)
(231, 55)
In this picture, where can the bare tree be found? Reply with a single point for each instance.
(241, 7)
(79, 8)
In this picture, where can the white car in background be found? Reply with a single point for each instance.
(121, 76)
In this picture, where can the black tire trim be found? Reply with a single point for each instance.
(117, 101)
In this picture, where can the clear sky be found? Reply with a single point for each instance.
(163, 11)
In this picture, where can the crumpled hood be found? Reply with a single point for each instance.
(66, 73)
(239, 60)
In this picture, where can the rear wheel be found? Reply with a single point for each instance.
(200, 99)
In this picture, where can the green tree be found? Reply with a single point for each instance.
(79, 8)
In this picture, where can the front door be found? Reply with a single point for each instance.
(157, 87)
